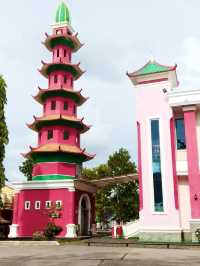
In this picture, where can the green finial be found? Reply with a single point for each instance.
(62, 14)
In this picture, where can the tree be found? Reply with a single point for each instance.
(118, 201)
(3, 129)
(26, 168)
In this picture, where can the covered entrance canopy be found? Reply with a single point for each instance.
(94, 185)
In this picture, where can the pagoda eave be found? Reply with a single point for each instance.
(58, 120)
(75, 70)
(70, 41)
(75, 95)
(151, 67)
(59, 148)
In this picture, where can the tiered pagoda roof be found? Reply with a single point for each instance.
(63, 35)
(74, 69)
(43, 94)
(70, 41)
(59, 148)
(58, 119)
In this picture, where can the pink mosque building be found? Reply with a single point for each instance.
(58, 156)
(168, 130)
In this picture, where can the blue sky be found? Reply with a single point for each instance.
(119, 36)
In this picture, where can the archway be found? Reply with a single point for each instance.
(84, 214)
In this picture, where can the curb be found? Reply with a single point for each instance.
(29, 243)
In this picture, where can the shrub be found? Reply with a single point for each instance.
(51, 230)
(38, 236)
(197, 233)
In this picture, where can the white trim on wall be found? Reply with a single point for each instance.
(149, 148)
(37, 205)
(50, 184)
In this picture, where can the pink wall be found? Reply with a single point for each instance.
(71, 111)
(69, 214)
(54, 168)
(74, 135)
(193, 162)
(64, 54)
(151, 103)
(61, 30)
(140, 167)
(173, 149)
(40, 218)
(60, 80)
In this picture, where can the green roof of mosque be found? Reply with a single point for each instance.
(62, 14)
(152, 67)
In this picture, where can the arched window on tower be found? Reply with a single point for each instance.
(65, 107)
(53, 105)
(65, 53)
(55, 79)
(65, 135)
(65, 79)
(50, 134)
(75, 109)
(58, 52)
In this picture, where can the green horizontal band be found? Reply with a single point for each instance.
(52, 177)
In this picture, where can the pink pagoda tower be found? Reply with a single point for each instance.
(58, 156)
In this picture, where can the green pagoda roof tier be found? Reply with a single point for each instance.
(70, 41)
(43, 94)
(151, 67)
(62, 14)
(73, 69)
(59, 148)
(58, 120)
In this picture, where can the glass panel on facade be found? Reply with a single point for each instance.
(156, 166)
(180, 134)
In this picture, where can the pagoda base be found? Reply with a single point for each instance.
(71, 231)
(13, 231)
(36, 205)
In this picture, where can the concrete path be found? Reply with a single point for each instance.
(76, 255)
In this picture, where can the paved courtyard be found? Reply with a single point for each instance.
(91, 256)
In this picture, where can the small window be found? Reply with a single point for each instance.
(65, 79)
(27, 205)
(58, 31)
(65, 53)
(180, 134)
(65, 135)
(50, 134)
(55, 79)
(53, 105)
(69, 32)
(40, 136)
(58, 204)
(65, 105)
(74, 109)
(48, 204)
(58, 52)
(37, 205)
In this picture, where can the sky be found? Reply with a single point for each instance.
(119, 36)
